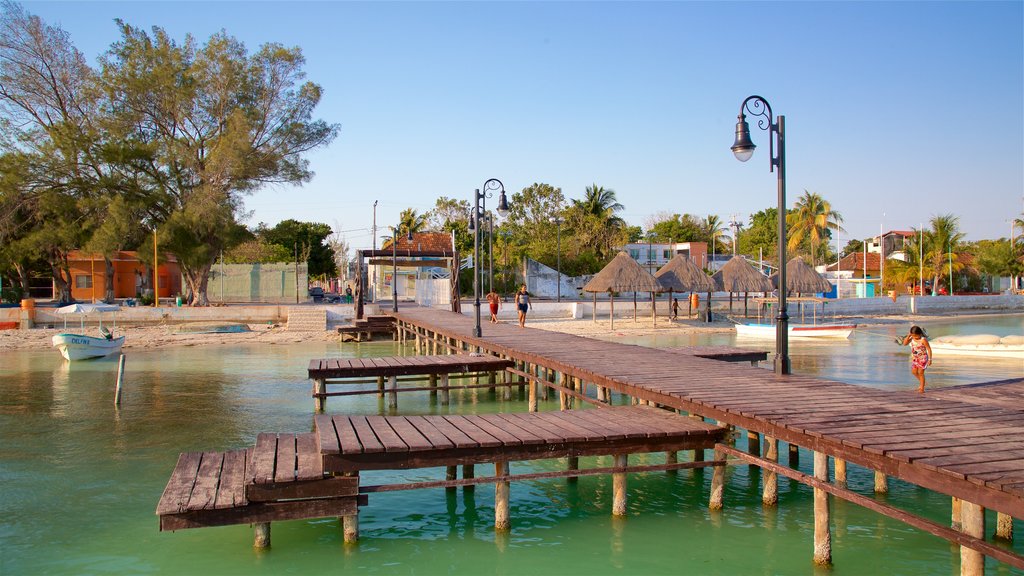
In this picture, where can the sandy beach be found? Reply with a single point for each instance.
(150, 336)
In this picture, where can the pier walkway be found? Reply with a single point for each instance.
(971, 451)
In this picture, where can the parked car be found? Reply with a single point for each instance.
(316, 293)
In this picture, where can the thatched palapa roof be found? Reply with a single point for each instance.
(623, 274)
(682, 275)
(802, 278)
(739, 276)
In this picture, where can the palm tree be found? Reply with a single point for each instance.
(812, 218)
(713, 230)
(601, 203)
(940, 245)
(411, 222)
(595, 217)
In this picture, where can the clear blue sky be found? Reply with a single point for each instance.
(905, 110)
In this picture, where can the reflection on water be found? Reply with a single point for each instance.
(83, 477)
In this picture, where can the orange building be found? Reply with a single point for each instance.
(131, 278)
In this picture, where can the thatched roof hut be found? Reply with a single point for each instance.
(739, 276)
(623, 274)
(681, 274)
(801, 278)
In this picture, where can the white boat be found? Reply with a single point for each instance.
(796, 330)
(79, 346)
(82, 347)
(987, 345)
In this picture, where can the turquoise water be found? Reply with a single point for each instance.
(81, 479)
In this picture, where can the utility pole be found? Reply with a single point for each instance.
(373, 281)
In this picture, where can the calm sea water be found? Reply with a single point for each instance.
(80, 479)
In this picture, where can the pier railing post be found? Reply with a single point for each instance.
(822, 529)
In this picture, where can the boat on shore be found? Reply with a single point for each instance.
(82, 347)
(768, 331)
(986, 345)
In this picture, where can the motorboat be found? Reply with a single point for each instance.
(768, 331)
(82, 347)
(74, 346)
(987, 345)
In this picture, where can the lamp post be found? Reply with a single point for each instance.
(490, 253)
(558, 255)
(743, 148)
(479, 207)
(394, 264)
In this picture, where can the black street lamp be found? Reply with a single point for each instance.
(558, 255)
(394, 265)
(743, 148)
(475, 226)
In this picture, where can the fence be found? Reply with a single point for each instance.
(278, 283)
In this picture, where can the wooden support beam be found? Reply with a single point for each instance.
(619, 486)
(972, 562)
(770, 486)
(822, 528)
(501, 497)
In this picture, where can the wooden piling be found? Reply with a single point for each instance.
(619, 486)
(319, 387)
(881, 483)
(822, 530)
(468, 471)
(350, 529)
(532, 402)
(794, 455)
(393, 393)
(120, 380)
(573, 464)
(1004, 527)
(380, 386)
(770, 481)
(717, 483)
(753, 443)
(444, 390)
(501, 495)
(433, 386)
(671, 457)
(840, 472)
(954, 516)
(972, 518)
(451, 473)
(261, 539)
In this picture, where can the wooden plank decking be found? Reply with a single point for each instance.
(330, 368)
(946, 444)
(352, 443)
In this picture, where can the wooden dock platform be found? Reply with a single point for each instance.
(970, 450)
(302, 476)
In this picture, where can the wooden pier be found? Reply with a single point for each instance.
(962, 445)
(294, 476)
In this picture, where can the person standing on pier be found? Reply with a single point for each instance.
(920, 353)
(495, 303)
(523, 303)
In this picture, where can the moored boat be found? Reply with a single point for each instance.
(987, 345)
(82, 347)
(797, 330)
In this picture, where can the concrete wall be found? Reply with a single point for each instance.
(542, 281)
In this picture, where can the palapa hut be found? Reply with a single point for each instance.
(680, 274)
(739, 276)
(623, 274)
(802, 279)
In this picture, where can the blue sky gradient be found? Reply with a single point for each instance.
(895, 111)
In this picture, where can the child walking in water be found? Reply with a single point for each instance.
(920, 353)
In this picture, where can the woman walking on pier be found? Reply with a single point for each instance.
(523, 303)
(920, 353)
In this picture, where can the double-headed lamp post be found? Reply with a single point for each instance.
(475, 226)
(394, 264)
(743, 148)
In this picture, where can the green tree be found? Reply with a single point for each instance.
(307, 240)
(211, 124)
(410, 221)
(445, 211)
(761, 235)
(941, 244)
(812, 221)
(713, 231)
(676, 228)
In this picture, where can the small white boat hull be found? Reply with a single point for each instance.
(81, 347)
(797, 330)
(979, 345)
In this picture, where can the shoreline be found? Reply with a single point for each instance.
(162, 335)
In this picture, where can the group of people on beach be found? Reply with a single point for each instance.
(523, 304)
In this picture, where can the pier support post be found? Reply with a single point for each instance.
(753, 443)
(501, 494)
(770, 487)
(506, 390)
(451, 473)
(573, 464)
(350, 529)
(492, 379)
(671, 457)
(468, 471)
(881, 483)
(393, 393)
(972, 518)
(444, 389)
(822, 530)
(380, 386)
(433, 386)
(698, 453)
(261, 538)
(1004, 527)
(794, 455)
(550, 376)
(717, 483)
(954, 516)
(532, 402)
(619, 486)
(840, 473)
(319, 387)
